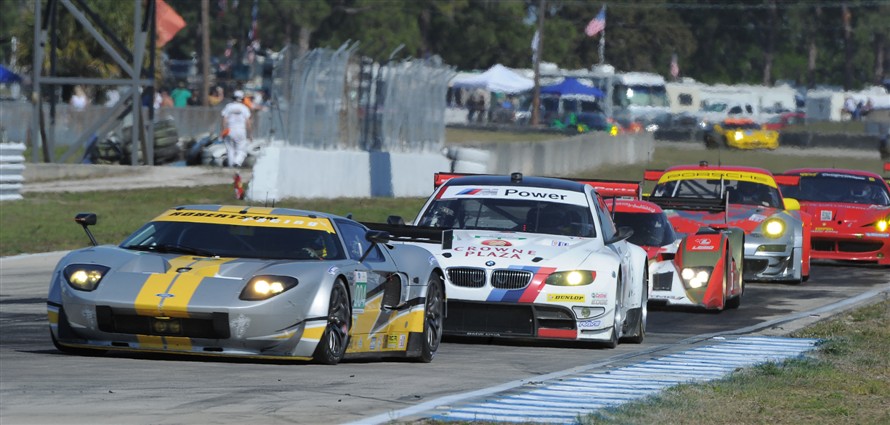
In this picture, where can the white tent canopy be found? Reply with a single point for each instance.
(498, 78)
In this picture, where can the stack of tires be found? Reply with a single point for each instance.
(166, 143)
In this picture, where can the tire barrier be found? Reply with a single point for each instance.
(12, 166)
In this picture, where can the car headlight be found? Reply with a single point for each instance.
(883, 225)
(738, 135)
(774, 227)
(84, 277)
(265, 287)
(703, 125)
(696, 277)
(571, 278)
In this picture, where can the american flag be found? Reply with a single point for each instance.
(598, 23)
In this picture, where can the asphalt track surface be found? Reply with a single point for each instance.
(39, 385)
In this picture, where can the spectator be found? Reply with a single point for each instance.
(850, 107)
(181, 96)
(79, 99)
(216, 96)
(166, 100)
(236, 128)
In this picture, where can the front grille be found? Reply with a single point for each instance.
(755, 266)
(467, 318)
(505, 320)
(858, 246)
(467, 277)
(662, 281)
(510, 279)
(820, 245)
(216, 327)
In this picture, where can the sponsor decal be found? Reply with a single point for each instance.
(373, 344)
(599, 302)
(757, 218)
(706, 243)
(333, 271)
(222, 217)
(825, 215)
(496, 251)
(878, 235)
(559, 243)
(478, 192)
(431, 260)
(535, 194)
(599, 295)
(483, 334)
(402, 341)
(165, 295)
(565, 298)
(665, 297)
(586, 324)
(843, 176)
(824, 229)
(392, 341)
(496, 242)
(716, 175)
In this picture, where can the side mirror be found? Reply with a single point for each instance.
(395, 220)
(375, 237)
(791, 204)
(624, 232)
(85, 220)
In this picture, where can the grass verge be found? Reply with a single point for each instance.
(846, 380)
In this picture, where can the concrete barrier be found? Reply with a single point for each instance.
(12, 168)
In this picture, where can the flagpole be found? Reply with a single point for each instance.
(603, 44)
(536, 96)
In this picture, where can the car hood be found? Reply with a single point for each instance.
(745, 217)
(503, 249)
(841, 212)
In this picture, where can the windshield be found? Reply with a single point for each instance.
(639, 95)
(649, 229)
(225, 240)
(739, 192)
(741, 126)
(511, 215)
(713, 107)
(846, 188)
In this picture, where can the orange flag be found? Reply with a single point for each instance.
(168, 21)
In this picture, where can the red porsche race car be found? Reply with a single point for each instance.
(777, 234)
(850, 210)
(699, 269)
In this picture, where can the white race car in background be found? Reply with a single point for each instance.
(531, 257)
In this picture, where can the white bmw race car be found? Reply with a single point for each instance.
(531, 257)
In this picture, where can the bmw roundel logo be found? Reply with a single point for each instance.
(489, 263)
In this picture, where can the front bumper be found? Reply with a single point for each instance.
(527, 320)
(860, 247)
(772, 260)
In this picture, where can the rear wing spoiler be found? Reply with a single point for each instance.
(690, 204)
(616, 188)
(652, 175)
(787, 179)
(606, 188)
(886, 171)
(421, 234)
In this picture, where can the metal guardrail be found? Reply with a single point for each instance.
(12, 166)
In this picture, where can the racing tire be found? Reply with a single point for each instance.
(710, 143)
(640, 315)
(332, 346)
(433, 320)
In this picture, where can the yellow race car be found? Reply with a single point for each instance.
(741, 134)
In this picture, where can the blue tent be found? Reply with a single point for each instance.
(571, 86)
(7, 76)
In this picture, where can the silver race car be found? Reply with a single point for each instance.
(249, 282)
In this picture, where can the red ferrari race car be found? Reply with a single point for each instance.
(777, 234)
(701, 269)
(850, 210)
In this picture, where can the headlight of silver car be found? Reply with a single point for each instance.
(773, 227)
(571, 278)
(265, 287)
(696, 277)
(84, 277)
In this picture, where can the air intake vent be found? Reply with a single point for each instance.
(510, 279)
(467, 277)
